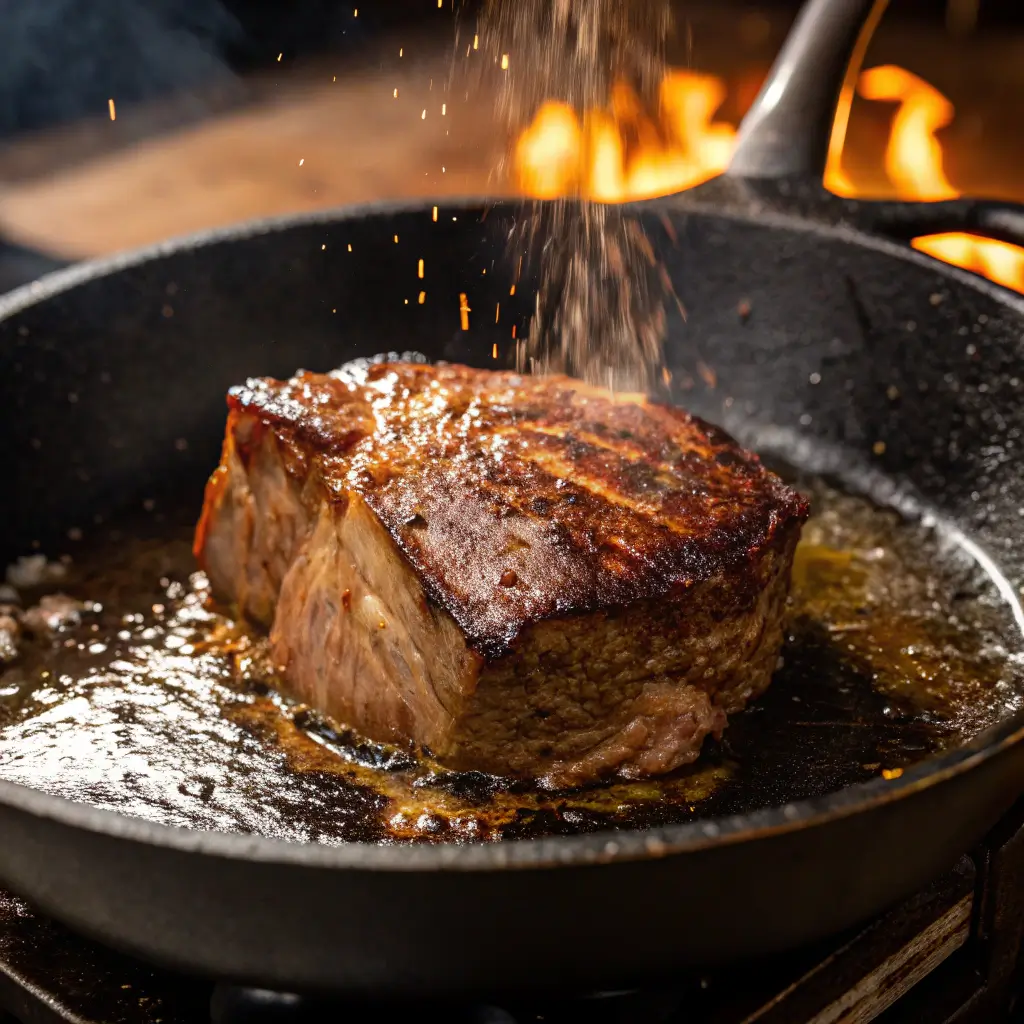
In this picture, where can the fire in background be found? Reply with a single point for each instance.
(620, 153)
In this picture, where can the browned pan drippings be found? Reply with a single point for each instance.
(157, 707)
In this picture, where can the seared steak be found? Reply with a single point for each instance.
(525, 576)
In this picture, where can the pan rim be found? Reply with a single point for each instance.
(696, 201)
(551, 852)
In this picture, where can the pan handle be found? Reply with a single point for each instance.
(787, 131)
(904, 221)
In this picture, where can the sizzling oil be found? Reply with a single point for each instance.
(156, 706)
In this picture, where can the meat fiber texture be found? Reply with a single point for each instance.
(525, 576)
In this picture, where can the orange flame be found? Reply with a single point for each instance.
(913, 162)
(620, 154)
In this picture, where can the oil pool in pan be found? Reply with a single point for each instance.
(155, 706)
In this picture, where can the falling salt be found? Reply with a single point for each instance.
(600, 306)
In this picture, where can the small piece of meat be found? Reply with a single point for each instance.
(10, 632)
(523, 576)
(34, 571)
(54, 613)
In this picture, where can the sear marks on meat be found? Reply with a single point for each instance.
(523, 576)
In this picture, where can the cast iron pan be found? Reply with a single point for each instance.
(831, 299)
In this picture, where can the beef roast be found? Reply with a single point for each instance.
(525, 576)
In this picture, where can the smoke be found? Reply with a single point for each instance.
(63, 59)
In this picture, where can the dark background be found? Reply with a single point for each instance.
(62, 59)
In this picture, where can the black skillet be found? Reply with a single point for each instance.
(829, 296)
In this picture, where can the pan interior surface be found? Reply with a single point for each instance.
(901, 644)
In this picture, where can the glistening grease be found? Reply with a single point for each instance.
(898, 646)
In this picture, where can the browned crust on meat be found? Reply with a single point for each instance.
(518, 499)
(588, 696)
